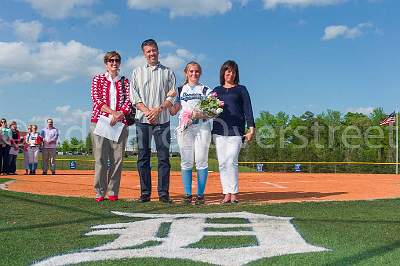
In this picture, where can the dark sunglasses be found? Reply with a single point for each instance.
(114, 60)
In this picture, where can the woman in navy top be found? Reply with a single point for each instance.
(229, 128)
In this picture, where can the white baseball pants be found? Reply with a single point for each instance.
(193, 145)
(228, 149)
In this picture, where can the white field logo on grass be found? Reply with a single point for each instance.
(275, 236)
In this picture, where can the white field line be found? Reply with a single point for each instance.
(4, 186)
(273, 185)
(232, 233)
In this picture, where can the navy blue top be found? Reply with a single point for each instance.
(237, 111)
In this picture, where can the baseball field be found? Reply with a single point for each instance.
(282, 219)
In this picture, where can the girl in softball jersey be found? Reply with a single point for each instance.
(34, 140)
(193, 141)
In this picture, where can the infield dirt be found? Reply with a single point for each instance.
(253, 187)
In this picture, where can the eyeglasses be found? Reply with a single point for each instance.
(112, 60)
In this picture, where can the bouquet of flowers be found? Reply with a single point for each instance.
(210, 106)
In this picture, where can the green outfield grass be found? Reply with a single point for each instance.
(85, 162)
(34, 227)
(3, 180)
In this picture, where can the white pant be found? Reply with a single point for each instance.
(33, 152)
(228, 149)
(26, 159)
(193, 145)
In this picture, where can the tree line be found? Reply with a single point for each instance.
(76, 146)
(327, 137)
(330, 136)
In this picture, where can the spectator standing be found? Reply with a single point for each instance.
(5, 144)
(26, 149)
(34, 141)
(14, 149)
(49, 150)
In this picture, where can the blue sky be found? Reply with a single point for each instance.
(294, 55)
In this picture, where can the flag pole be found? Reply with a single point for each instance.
(397, 142)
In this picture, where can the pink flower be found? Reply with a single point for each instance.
(214, 94)
(221, 103)
(185, 120)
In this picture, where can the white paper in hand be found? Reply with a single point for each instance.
(104, 129)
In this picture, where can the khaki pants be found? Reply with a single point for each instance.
(49, 154)
(107, 181)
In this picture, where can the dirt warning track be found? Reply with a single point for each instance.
(253, 187)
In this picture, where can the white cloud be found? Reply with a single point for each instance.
(271, 4)
(362, 110)
(134, 62)
(173, 61)
(21, 77)
(27, 31)
(243, 2)
(335, 31)
(69, 121)
(48, 61)
(61, 9)
(183, 7)
(106, 19)
(63, 109)
(66, 116)
(184, 53)
(166, 44)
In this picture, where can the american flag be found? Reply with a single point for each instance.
(391, 119)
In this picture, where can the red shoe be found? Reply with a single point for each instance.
(113, 198)
(99, 199)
